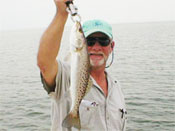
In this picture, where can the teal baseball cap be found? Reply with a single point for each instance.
(92, 26)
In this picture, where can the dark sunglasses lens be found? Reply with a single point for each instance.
(91, 41)
(103, 41)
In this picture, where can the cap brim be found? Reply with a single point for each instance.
(97, 30)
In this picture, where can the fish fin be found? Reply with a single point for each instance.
(71, 121)
(90, 83)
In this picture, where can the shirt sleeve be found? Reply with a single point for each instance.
(62, 81)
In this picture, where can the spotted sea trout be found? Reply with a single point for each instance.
(80, 75)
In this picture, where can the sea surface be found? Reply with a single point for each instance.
(144, 62)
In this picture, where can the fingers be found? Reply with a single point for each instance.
(63, 0)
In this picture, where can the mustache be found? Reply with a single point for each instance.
(96, 53)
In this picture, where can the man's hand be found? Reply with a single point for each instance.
(61, 6)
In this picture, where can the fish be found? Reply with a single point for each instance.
(80, 81)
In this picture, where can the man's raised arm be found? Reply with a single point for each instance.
(50, 44)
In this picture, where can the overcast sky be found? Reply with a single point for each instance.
(24, 14)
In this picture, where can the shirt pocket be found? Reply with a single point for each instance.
(118, 118)
(123, 114)
(87, 111)
(122, 117)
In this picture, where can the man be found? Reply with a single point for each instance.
(103, 107)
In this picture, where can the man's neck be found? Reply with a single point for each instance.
(98, 73)
(99, 76)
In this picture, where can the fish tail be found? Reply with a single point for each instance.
(72, 121)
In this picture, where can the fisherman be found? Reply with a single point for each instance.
(103, 107)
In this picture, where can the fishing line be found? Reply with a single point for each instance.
(111, 60)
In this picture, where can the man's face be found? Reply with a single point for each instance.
(98, 53)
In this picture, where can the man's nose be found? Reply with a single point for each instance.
(97, 46)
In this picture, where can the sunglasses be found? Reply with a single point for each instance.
(103, 41)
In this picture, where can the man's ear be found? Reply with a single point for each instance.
(112, 45)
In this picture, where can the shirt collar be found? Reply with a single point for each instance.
(109, 80)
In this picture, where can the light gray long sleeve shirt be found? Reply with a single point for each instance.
(97, 112)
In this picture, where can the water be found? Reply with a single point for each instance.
(144, 63)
